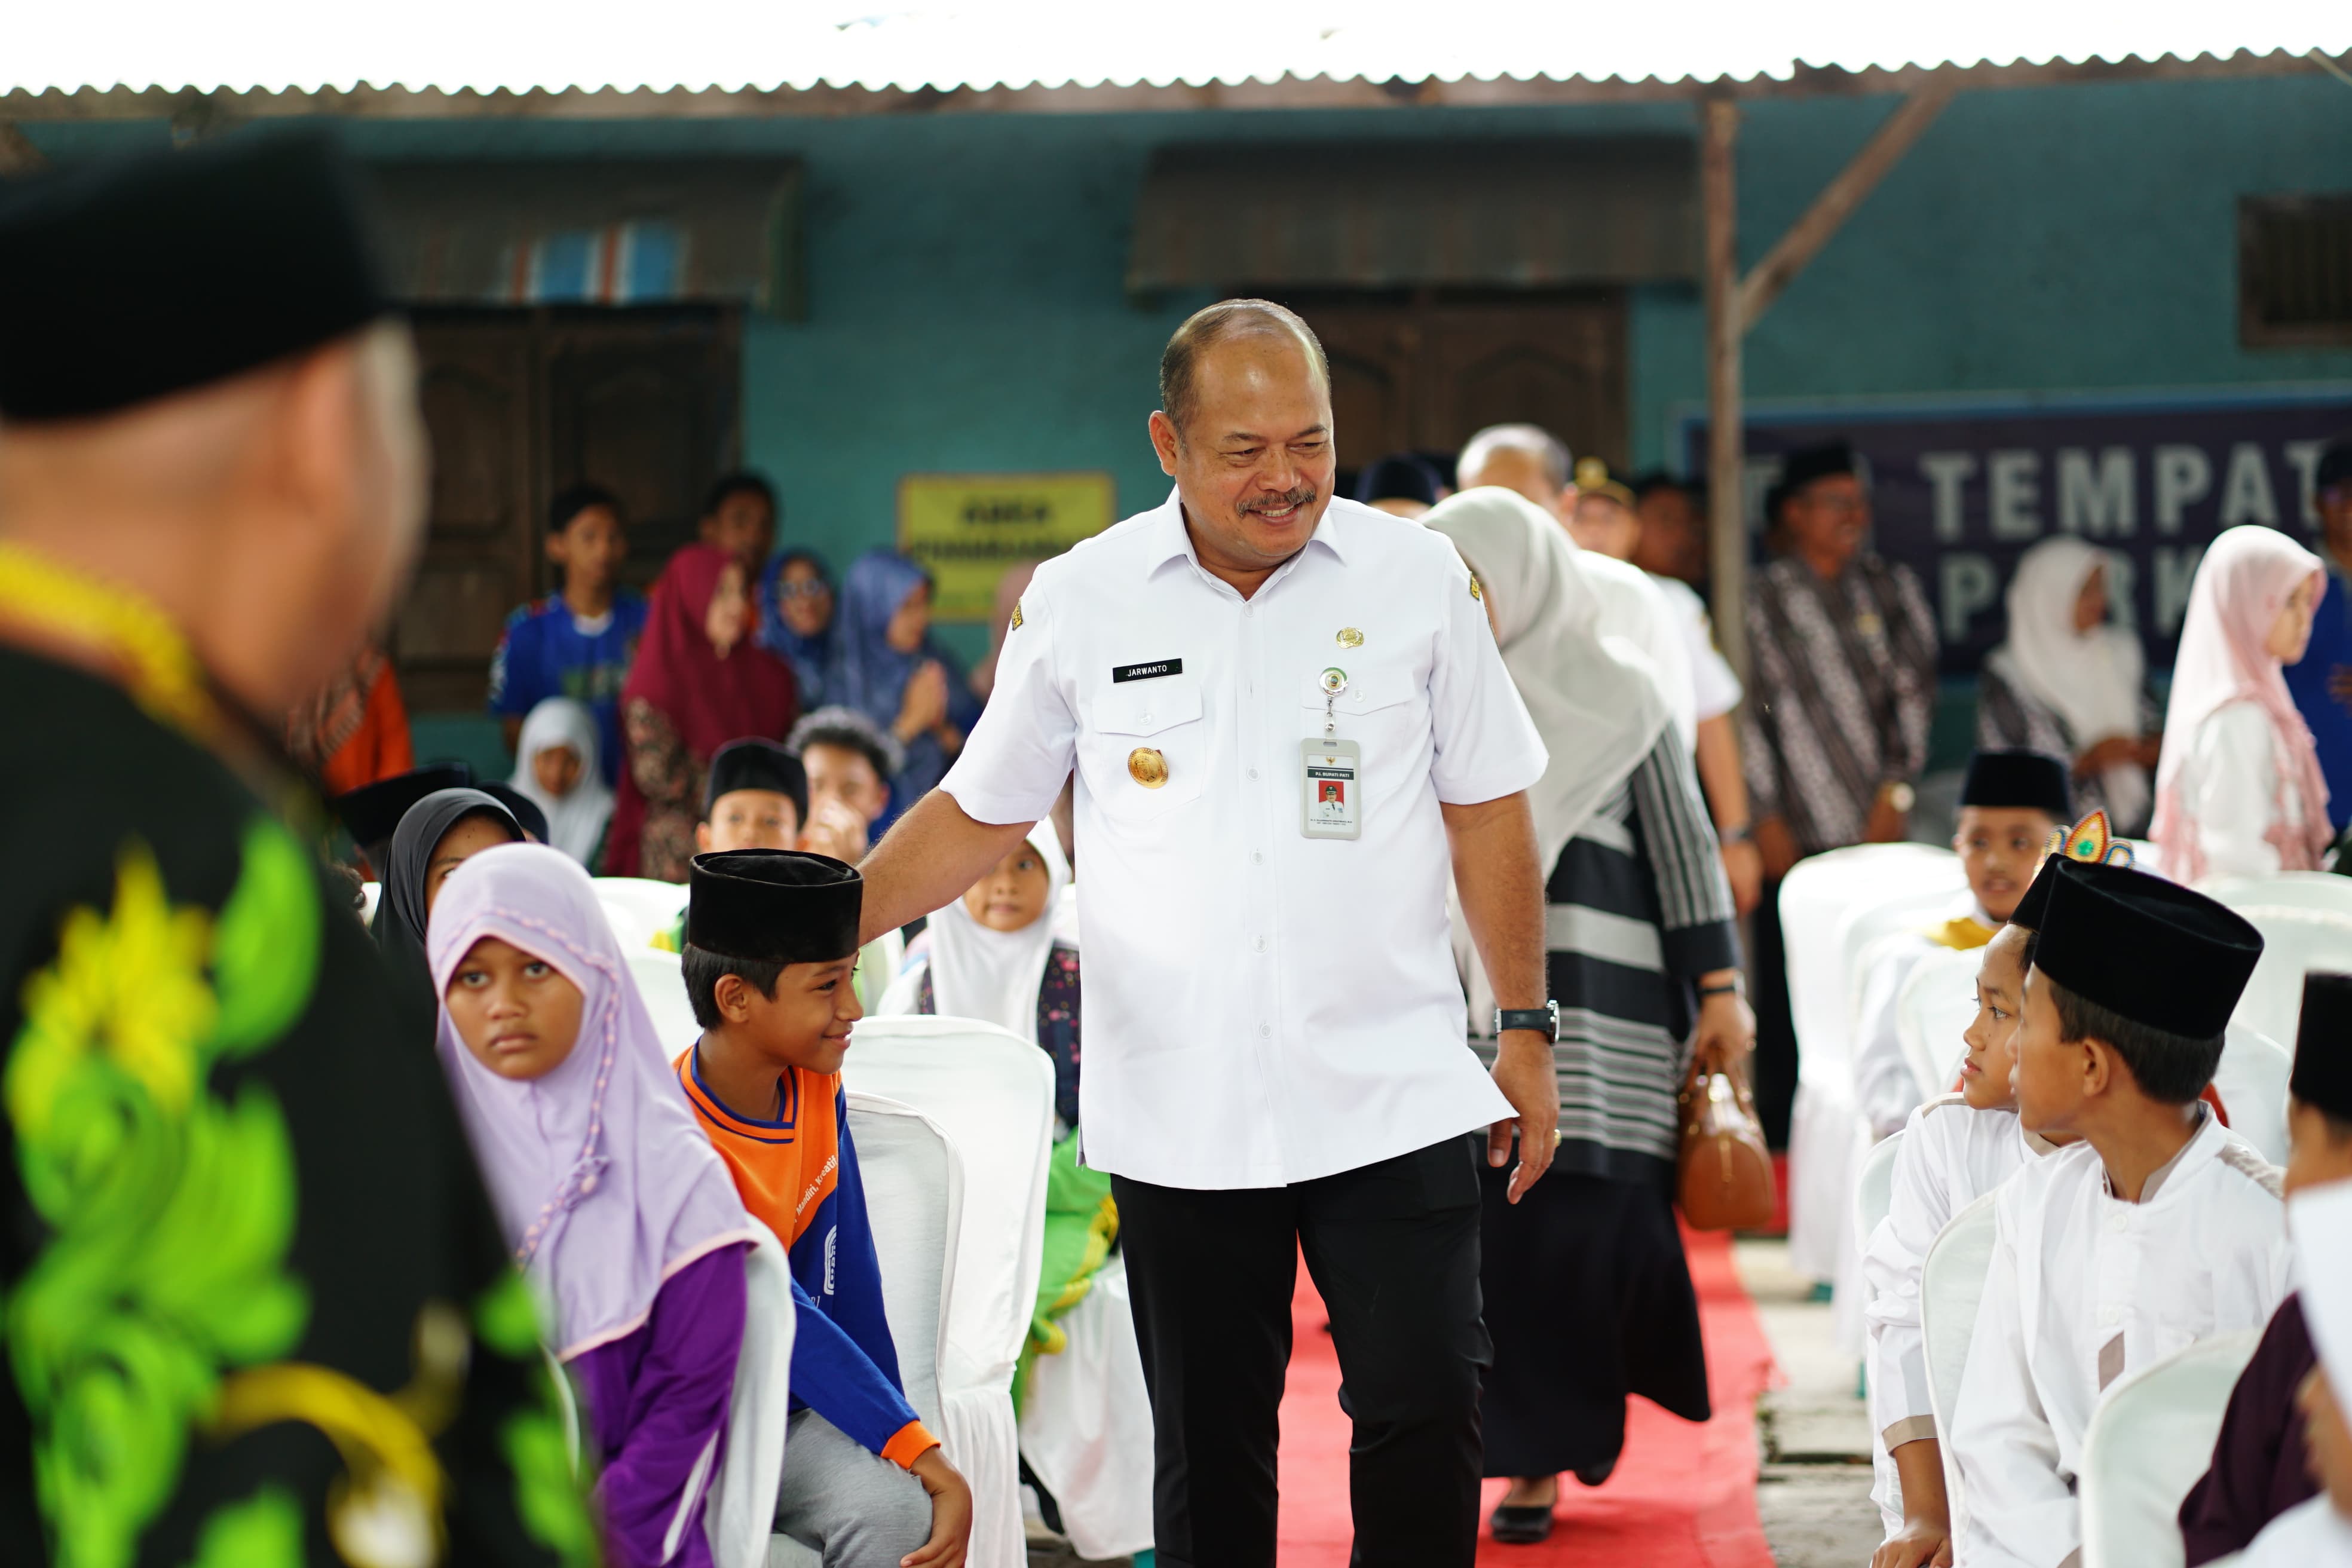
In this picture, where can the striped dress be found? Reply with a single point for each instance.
(1588, 1295)
(1637, 909)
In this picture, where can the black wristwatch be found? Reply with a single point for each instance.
(1543, 1020)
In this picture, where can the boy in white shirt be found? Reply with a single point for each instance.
(2161, 1228)
(1955, 1148)
(2011, 803)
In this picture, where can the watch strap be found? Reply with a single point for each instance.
(1543, 1020)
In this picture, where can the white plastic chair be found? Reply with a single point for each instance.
(2149, 1439)
(1874, 1187)
(1832, 907)
(1937, 1004)
(662, 985)
(639, 908)
(993, 1093)
(740, 1515)
(2306, 919)
(914, 1202)
(2251, 1081)
(1951, 1288)
(1085, 1423)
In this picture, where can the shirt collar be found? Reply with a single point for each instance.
(2197, 1141)
(1169, 540)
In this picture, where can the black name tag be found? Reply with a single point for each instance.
(1153, 671)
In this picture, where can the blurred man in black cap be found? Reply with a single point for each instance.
(372, 813)
(2259, 1467)
(2322, 682)
(2159, 1229)
(1841, 693)
(237, 1217)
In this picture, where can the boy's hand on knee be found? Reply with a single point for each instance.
(951, 1513)
(1920, 1543)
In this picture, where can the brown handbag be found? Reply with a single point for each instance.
(1724, 1172)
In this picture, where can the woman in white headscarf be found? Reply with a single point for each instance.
(2067, 683)
(556, 769)
(1588, 1297)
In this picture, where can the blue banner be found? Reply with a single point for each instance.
(1960, 488)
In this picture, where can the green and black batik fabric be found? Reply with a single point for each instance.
(255, 1308)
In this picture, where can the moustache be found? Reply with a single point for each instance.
(1302, 497)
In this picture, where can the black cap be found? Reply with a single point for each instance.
(1400, 476)
(756, 764)
(2323, 1045)
(1802, 466)
(2335, 466)
(131, 278)
(2151, 949)
(372, 813)
(2019, 781)
(527, 814)
(774, 906)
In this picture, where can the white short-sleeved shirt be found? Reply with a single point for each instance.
(1259, 1008)
(1714, 689)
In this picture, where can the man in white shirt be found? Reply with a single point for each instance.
(1290, 725)
(1599, 514)
(2160, 1229)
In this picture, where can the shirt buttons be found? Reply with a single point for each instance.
(1261, 945)
(1263, 1030)
(2119, 1223)
(1252, 772)
(2110, 1316)
(1257, 857)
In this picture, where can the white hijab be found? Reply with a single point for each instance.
(2090, 679)
(1597, 697)
(994, 975)
(575, 822)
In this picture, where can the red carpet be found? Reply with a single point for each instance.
(1682, 1496)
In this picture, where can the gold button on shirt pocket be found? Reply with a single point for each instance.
(1145, 746)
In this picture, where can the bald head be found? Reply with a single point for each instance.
(1229, 321)
(1526, 459)
(272, 514)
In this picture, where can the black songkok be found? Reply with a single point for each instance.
(527, 814)
(372, 813)
(756, 764)
(2323, 1045)
(1401, 476)
(774, 906)
(131, 278)
(2148, 949)
(2335, 466)
(2020, 781)
(1802, 466)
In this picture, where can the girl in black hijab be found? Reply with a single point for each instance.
(435, 837)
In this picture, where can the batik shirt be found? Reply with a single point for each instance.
(238, 1213)
(798, 1176)
(1842, 690)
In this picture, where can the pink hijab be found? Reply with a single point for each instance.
(2246, 578)
(604, 1183)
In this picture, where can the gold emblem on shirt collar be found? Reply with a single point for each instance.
(1015, 624)
(1475, 592)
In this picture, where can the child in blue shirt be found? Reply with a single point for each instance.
(578, 643)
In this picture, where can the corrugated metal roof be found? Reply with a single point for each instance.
(732, 47)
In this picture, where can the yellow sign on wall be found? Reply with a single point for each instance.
(966, 529)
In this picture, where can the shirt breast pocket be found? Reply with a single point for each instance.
(1146, 747)
(1376, 709)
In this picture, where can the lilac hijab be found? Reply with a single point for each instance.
(603, 1184)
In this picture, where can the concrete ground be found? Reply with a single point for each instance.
(1814, 1431)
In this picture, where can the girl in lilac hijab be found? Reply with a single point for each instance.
(618, 1210)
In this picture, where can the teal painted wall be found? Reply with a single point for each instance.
(965, 307)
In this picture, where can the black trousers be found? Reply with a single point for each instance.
(1393, 1247)
(1776, 1027)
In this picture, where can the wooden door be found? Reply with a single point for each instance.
(1426, 370)
(520, 405)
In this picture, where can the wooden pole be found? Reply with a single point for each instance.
(1806, 237)
(1726, 525)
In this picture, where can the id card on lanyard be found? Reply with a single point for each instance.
(1331, 783)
